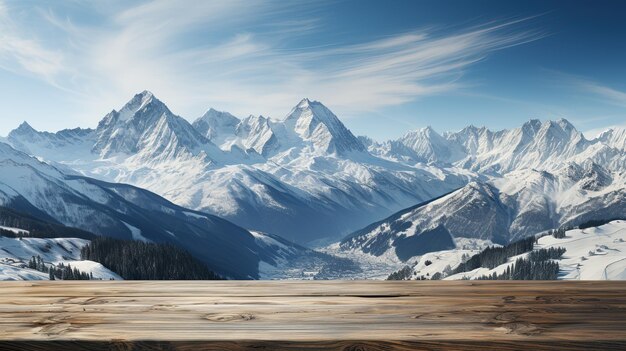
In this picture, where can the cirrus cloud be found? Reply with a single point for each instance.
(241, 56)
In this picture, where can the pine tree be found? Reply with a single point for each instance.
(137, 260)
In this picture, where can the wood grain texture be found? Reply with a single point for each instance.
(296, 315)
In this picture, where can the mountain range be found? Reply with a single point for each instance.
(41, 191)
(307, 179)
(279, 177)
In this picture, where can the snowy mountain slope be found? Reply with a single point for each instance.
(423, 145)
(15, 270)
(317, 126)
(423, 264)
(594, 253)
(534, 145)
(257, 133)
(15, 254)
(501, 210)
(614, 137)
(474, 211)
(73, 144)
(216, 125)
(277, 176)
(127, 212)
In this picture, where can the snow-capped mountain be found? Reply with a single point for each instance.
(420, 146)
(288, 176)
(536, 144)
(72, 143)
(278, 176)
(316, 125)
(310, 125)
(614, 137)
(40, 190)
(216, 125)
(147, 128)
(540, 176)
(253, 133)
(256, 133)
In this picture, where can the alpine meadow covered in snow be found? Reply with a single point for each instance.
(385, 142)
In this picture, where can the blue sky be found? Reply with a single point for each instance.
(383, 67)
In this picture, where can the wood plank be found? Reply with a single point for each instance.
(328, 315)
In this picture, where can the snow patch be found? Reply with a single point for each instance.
(136, 233)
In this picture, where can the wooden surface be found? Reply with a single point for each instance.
(332, 315)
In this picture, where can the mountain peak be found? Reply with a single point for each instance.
(565, 124)
(614, 137)
(146, 93)
(215, 124)
(24, 130)
(428, 130)
(304, 103)
(430, 146)
(137, 103)
(24, 127)
(532, 124)
(145, 125)
(215, 114)
(314, 122)
(145, 96)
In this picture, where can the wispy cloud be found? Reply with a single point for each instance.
(592, 121)
(243, 56)
(589, 88)
(21, 54)
(610, 95)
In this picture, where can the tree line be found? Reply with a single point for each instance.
(552, 253)
(402, 274)
(527, 269)
(60, 271)
(37, 228)
(494, 256)
(538, 265)
(138, 260)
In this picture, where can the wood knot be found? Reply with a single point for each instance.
(507, 299)
(519, 328)
(356, 347)
(229, 317)
(506, 317)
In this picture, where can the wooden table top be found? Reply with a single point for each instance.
(319, 315)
